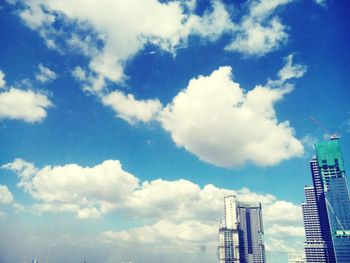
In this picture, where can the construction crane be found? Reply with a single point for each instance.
(333, 136)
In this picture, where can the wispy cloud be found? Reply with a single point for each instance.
(107, 35)
(45, 74)
(261, 30)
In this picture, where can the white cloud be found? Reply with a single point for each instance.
(88, 192)
(2, 79)
(6, 196)
(29, 105)
(217, 121)
(176, 216)
(79, 74)
(106, 32)
(257, 39)
(112, 23)
(283, 211)
(108, 187)
(45, 74)
(212, 24)
(35, 16)
(260, 31)
(130, 109)
(291, 70)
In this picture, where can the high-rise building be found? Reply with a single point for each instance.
(241, 234)
(316, 249)
(251, 232)
(228, 233)
(327, 208)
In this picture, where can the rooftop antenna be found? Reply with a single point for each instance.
(333, 136)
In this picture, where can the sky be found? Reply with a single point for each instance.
(123, 124)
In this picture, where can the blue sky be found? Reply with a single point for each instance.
(123, 124)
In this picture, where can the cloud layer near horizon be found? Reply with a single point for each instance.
(94, 192)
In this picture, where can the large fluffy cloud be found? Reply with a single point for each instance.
(217, 121)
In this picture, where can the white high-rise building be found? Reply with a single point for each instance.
(230, 212)
(228, 233)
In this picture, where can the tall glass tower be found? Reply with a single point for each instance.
(327, 208)
(241, 234)
(251, 233)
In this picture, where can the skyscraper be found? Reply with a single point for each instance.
(241, 235)
(251, 232)
(327, 208)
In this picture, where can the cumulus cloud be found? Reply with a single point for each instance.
(130, 109)
(45, 74)
(260, 31)
(215, 119)
(28, 105)
(87, 192)
(175, 214)
(2, 79)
